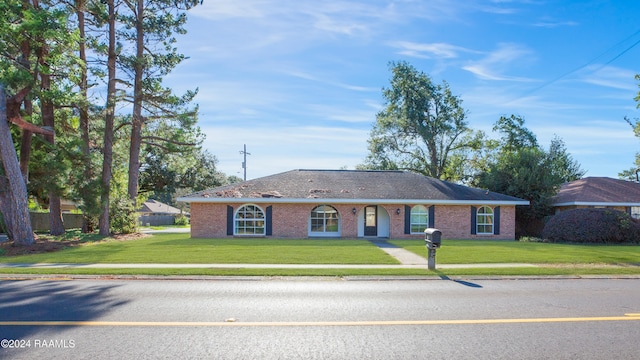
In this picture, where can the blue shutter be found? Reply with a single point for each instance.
(496, 221)
(229, 220)
(432, 216)
(474, 220)
(407, 219)
(268, 220)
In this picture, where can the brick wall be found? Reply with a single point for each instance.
(455, 222)
(292, 221)
(208, 220)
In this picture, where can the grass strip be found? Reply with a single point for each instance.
(540, 271)
(491, 251)
(179, 248)
(524, 271)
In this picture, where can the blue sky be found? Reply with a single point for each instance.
(300, 81)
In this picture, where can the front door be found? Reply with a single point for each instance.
(371, 221)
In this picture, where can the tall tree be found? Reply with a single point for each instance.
(514, 134)
(633, 174)
(13, 190)
(521, 168)
(87, 186)
(35, 64)
(422, 127)
(152, 25)
(107, 146)
(46, 53)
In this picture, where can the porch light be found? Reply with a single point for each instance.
(354, 211)
(398, 211)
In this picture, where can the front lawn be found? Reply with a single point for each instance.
(487, 251)
(554, 259)
(179, 248)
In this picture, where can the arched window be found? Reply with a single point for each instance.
(419, 219)
(324, 221)
(249, 220)
(484, 221)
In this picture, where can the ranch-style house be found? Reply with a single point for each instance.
(350, 204)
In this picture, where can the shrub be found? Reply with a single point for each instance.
(123, 216)
(530, 239)
(181, 220)
(603, 226)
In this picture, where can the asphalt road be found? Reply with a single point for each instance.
(320, 319)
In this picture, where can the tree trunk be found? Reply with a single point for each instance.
(25, 153)
(138, 121)
(104, 222)
(89, 199)
(56, 224)
(13, 198)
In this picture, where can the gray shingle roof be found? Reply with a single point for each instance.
(156, 207)
(348, 185)
(598, 191)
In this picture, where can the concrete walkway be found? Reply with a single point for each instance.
(404, 256)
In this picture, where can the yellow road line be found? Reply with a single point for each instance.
(627, 317)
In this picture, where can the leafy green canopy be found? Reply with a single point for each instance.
(423, 127)
(632, 173)
(520, 167)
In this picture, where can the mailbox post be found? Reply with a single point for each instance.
(432, 238)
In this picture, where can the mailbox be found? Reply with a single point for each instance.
(433, 238)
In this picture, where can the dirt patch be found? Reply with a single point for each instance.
(45, 244)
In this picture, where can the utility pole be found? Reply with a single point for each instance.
(244, 162)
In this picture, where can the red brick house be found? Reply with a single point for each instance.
(599, 192)
(350, 204)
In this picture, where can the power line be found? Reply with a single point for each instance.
(592, 61)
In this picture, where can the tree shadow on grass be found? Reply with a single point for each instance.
(33, 300)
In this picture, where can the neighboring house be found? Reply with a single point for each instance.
(154, 207)
(350, 204)
(155, 213)
(68, 205)
(599, 192)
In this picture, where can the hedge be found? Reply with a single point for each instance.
(604, 226)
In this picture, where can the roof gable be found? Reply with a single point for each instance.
(598, 191)
(156, 207)
(348, 185)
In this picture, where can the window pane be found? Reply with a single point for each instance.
(484, 220)
(249, 221)
(324, 218)
(332, 225)
(419, 219)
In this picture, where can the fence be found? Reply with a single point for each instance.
(157, 220)
(40, 221)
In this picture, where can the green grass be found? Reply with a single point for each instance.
(180, 248)
(554, 259)
(487, 251)
(524, 271)
(166, 227)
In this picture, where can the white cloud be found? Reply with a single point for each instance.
(430, 50)
(326, 79)
(609, 76)
(494, 64)
(554, 24)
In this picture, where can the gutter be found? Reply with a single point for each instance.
(593, 203)
(273, 200)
